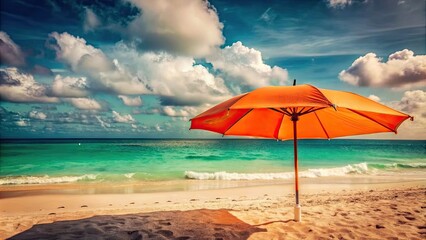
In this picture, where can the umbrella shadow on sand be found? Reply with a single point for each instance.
(193, 224)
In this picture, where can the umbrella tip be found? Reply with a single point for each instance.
(294, 82)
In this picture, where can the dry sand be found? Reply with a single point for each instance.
(372, 211)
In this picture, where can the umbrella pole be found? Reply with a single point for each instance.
(297, 208)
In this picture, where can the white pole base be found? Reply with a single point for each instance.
(297, 213)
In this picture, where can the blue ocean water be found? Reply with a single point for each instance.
(126, 160)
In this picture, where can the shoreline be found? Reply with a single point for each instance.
(252, 205)
(133, 187)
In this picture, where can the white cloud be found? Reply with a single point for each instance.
(170, 111)
(103, 123)
(20, 87)
(11, 54)
(176, 79)
(189, 27)
(183, 113)
(402, 70)
(414, 104)
(22, 123)
(37, 115)
(91, 20)
(70, 87)
(84, 103)
(179, 112)
(374, 98)
(78, 55)
(122, 118)
(133, 102)
(339, 3)
(107, 75)
(244, 68)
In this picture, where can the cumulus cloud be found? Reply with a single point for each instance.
(176, 80)
(78, 55)
(133, 102)
(22, 123)
(84, 103)
(374, 98)
(127, 118)
(172, 112)
(70, 87)
(107, 74)
(339, 3)
(189, 27)
(180, 113)
(244, 68)
(20, 87)
(175, 112)
(37, 115)
(402, 70)
(11, 54)
(91, 20)
(414, 104)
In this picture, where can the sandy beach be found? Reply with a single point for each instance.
(338, 211)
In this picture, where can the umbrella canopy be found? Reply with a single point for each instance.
(268, 112)
(297, 112)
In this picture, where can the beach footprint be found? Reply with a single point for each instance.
(166, 233)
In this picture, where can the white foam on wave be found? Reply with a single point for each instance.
(405, 165)
(361, 168)
(129, 175)
(44, 179)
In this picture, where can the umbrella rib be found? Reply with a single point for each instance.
(301, 111)
(245, 114)
(286, 111)
(276, 110)
(312, 109)
(363, 115)
(323, 128)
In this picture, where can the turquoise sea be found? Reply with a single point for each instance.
(51, 161)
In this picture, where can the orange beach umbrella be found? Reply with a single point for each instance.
(296, 112)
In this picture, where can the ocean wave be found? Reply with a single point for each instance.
(129, 175)
(360, 168)
(45, 179)
(401, 165)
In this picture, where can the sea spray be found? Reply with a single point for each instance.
(361, 168)
(45, 179)
(129, 175)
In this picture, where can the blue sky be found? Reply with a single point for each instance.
(139, 68)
